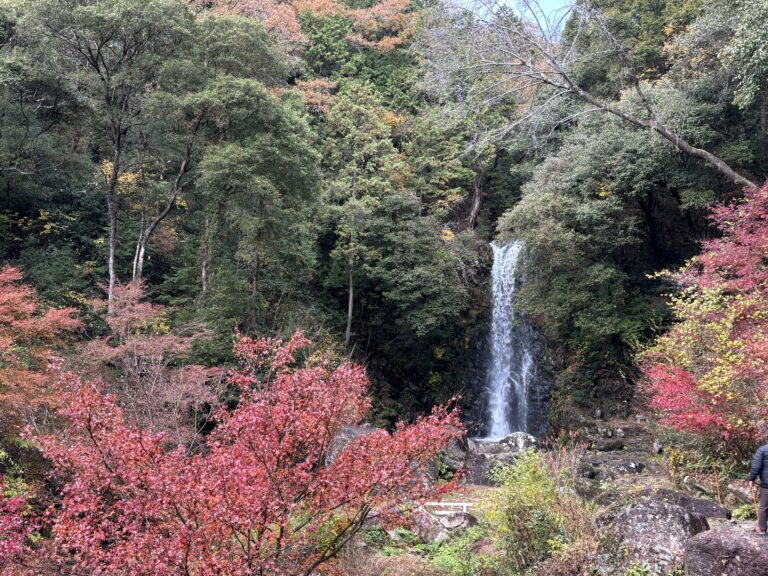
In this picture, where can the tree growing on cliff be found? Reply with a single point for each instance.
(707, 375)
(264, 498)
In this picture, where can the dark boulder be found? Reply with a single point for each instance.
(726, 550)
(610, 445)
(702, 506)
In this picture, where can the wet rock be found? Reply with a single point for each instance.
(726, 550)
(518, 442)
(651, 533)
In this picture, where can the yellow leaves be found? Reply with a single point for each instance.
(447, 235)
(77, 298)
(435, 379)
(392, 119)
(127, 182)
(161, 325)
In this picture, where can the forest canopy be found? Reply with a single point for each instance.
(210, 209)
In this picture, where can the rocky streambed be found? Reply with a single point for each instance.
(647, 525)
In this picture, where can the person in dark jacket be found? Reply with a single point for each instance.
(759, 472)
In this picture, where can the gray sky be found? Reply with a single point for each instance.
(552, 5)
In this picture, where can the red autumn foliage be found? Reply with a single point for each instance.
(262, 498)
(708, 375)
(142, 362)
(29, 335)
(13, 528)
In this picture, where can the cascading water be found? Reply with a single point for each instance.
(512, 365)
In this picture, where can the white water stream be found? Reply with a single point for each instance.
(511, 366)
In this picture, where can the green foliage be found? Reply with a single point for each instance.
(746, 50)
(637, 569)
(280, 209)
(404, 276)
(457, 556)
(525, 517)
(744, 512)
(329, 48)
(537, 519)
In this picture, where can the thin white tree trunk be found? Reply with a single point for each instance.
(350, 307)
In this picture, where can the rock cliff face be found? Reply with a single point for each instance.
(540, 384)
(539, 391)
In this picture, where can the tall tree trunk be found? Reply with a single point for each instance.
(477, 197)
(146, 233)
(350, 307)
(111, 194)
(206, 256)
(137, 251)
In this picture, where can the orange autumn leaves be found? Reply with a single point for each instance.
(385, 25)
(28, 338)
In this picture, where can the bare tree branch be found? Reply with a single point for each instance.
(486, 55)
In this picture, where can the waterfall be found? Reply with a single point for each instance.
(511, 363)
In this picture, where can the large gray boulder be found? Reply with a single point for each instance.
(726, 550)
(650, 533)
(430, 528)
(518, 442)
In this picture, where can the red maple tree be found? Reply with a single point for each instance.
(29, 336)
(708, 374)
(262, 498)
(142, 363)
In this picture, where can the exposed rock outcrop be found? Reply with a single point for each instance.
(701, 506)
(650, 533)
(726, 550)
